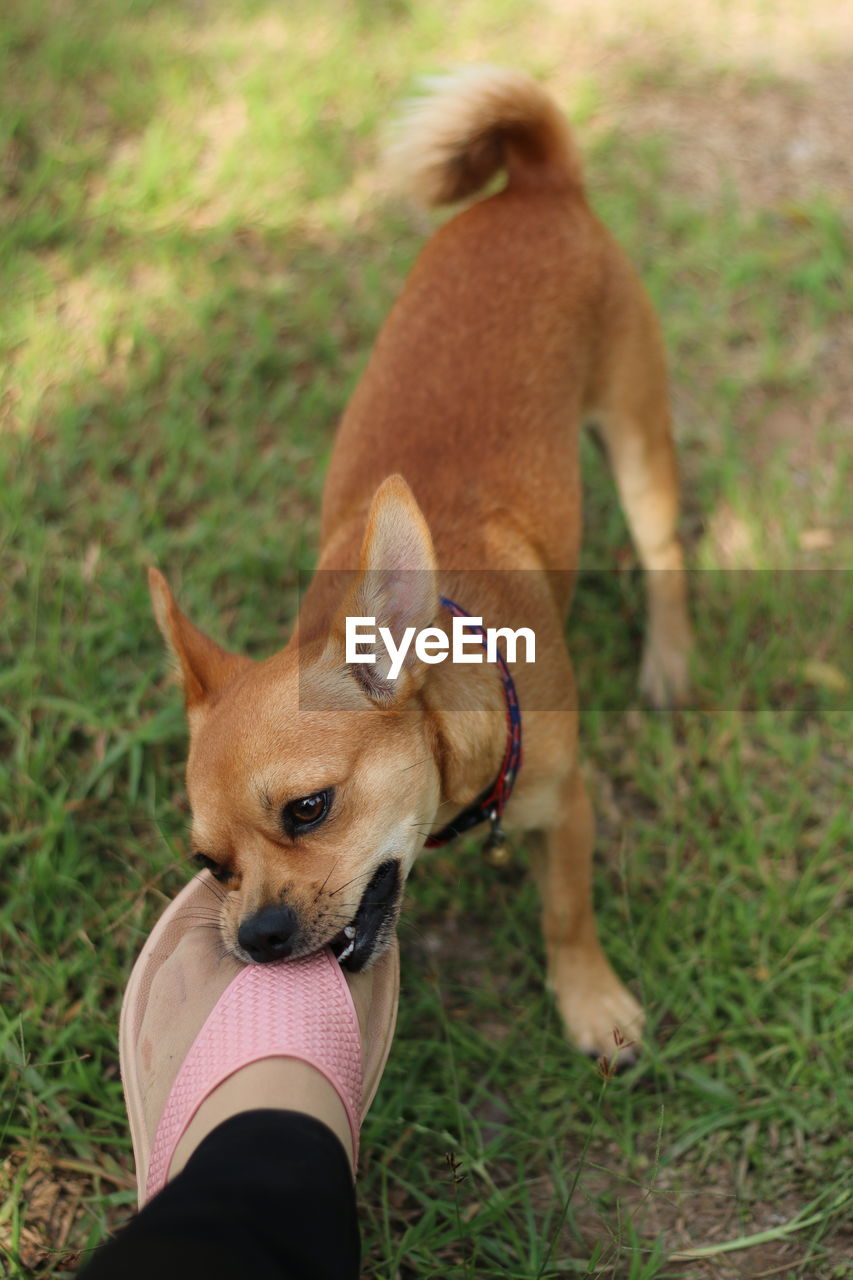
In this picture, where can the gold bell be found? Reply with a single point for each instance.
(496, 851)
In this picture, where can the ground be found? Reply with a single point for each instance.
(196, 251)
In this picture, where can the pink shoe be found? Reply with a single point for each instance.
(203, 1037)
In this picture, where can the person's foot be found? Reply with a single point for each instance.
(204, 1037)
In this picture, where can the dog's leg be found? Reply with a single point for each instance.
(631, 413)
(599, 1013)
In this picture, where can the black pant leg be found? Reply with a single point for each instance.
(266, 1195)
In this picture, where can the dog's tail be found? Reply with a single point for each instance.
(467, 126)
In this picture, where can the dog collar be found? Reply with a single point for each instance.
(490, 804)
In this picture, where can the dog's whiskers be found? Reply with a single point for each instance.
(199, 921)
(364, 875)
(326, 881)
(210, 884)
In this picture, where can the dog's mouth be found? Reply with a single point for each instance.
(356, 945)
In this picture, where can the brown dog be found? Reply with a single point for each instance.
(314, 780)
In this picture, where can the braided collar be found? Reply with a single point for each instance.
(490, 804)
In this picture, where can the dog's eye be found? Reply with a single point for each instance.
(305, 813)
(219, 873)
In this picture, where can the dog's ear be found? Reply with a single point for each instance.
(202, 666)
(397, 586)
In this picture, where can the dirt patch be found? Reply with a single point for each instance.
(54, 1191)
(690, 1212)
(775, 145)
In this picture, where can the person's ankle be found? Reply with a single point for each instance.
(281, 1084)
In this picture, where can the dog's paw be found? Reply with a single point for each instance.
(665, 674)
(602, 1018)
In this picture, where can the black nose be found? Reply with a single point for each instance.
(268, 934)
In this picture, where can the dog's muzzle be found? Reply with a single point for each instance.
(356, 945)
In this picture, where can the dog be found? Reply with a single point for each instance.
(314, 778)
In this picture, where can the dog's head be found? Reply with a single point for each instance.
(313, 781)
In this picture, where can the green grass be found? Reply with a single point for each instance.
(195, 256)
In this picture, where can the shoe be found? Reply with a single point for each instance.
(203, 1037)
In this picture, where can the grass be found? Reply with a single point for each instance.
(195, 255)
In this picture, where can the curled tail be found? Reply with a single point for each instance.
(467, 126)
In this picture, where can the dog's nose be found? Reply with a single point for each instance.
(268, 934)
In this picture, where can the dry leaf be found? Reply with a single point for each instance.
(816, 539)
(825, 675)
